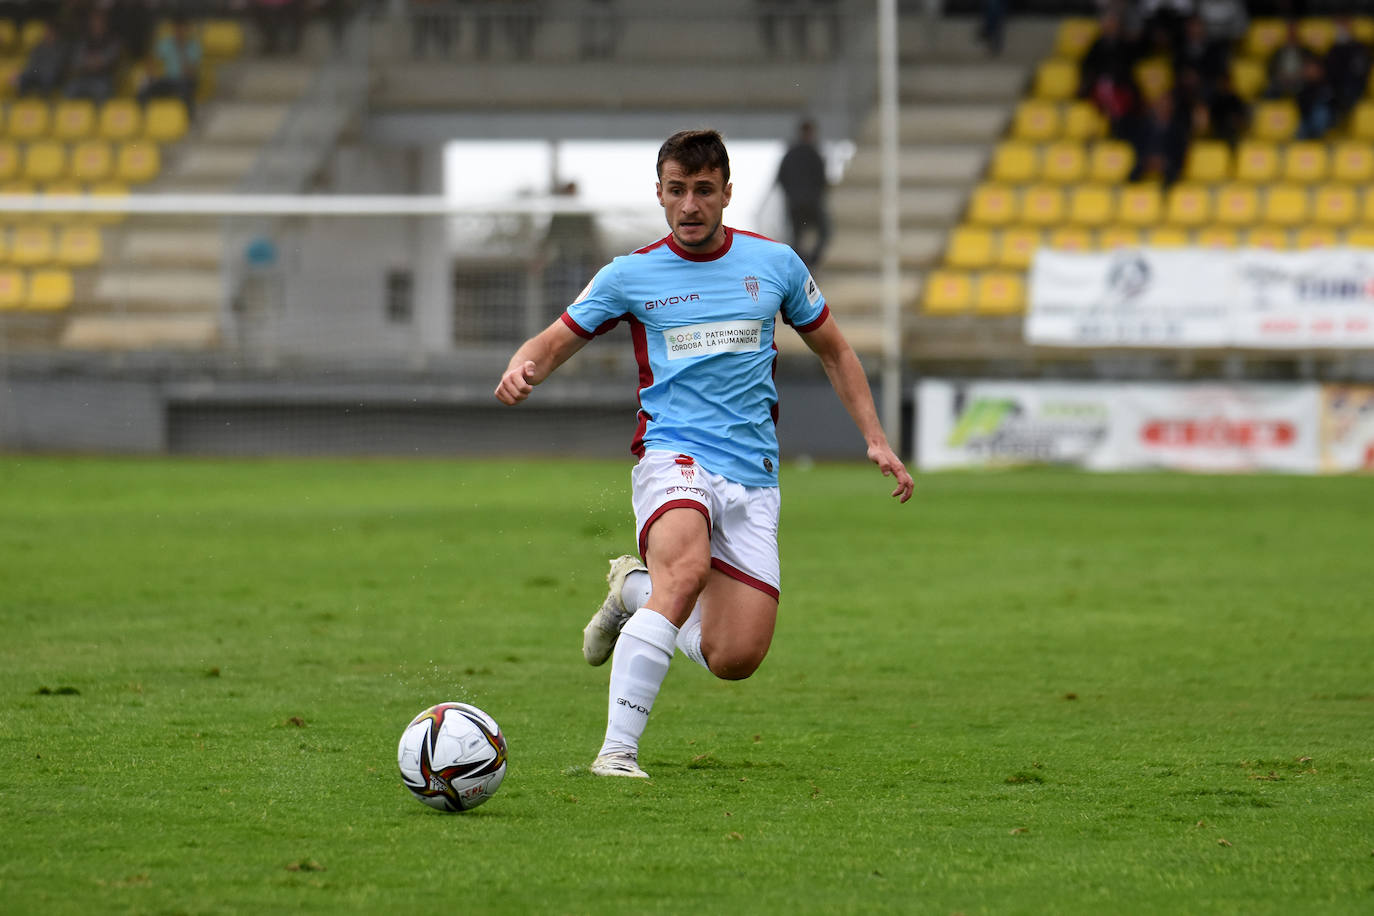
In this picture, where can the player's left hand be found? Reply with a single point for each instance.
(891, 466)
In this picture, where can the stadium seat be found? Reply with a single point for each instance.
(1071, 238)
(1274, 119)
(107, 190)
(165, 121)
(1016, 246)
(1257, 160)
(10, 68)
(1139, 204)
(1015, 161)
(1274, 238)
(79, 245)
(1306, 238)
(1091, 204)
(1216, 237)
(1188, 205)
(9, 34)
(1304, 161)
(50, 289)
(1284, 205)
(948, 292)
(221, 38)
(1263, 36)
(60, 189)
(9, 160)
(12, 288)
(1366, 214)
(45, 160)
(1352, 161)
(1247, 77)
(1036, 120)
(999, 292)
(1112, 237)
(1056, 79)
(28, 119)
(1208, 161)
(1334, 204)
(970, 247)
(31, 34)
(1154, 76)
(73, 119)
(92, 160)
(137, 163)
(1042, 204)
(1082, 121)
(1359, 237)
(1110, 161)
(1317, 32)
(1237, 204)
(31, 244)
(120, 119)
(1074, 36)
(993, 204)
(1063, 161)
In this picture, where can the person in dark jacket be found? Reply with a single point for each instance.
(804, 184)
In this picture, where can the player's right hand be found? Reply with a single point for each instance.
(516, 384)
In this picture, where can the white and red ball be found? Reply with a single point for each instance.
(452, 756)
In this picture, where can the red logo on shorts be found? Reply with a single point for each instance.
(687, 466)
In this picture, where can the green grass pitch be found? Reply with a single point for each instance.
(1029, 692)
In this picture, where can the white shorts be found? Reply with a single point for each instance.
(743, 520)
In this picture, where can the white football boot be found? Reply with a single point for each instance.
(618, 765)
(601, 632)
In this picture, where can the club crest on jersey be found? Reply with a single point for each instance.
(751, 286)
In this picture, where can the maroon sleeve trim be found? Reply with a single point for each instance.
(576, 328)
(820, 320)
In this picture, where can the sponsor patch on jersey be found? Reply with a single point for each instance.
(585, 290)
(813, 292)
(713, 337)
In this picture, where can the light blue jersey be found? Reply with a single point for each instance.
(702, 327)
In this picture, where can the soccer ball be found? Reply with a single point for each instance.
(452, 756)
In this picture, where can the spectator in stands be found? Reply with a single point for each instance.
(1209, 57)
(133, 21)
(178, 56)
(433, 22)
(1190, 102)
(1316, 101)
(95, 65)
(1285, 68)
(1161, 143)
(1228, 114)
(45, 66)
(1347, 69)
(1226, 20)
(1112, 53)
(804, 183)
(1164, 24)
(992, 29)
(279, 24)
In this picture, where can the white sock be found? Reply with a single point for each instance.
(689, 637)
(638, 667)
(634, 594)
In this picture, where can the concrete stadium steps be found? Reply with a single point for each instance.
(185, 290)
(955, 39)
(942, 122)
(962, 82)
(140, 332)
(859, 206)
(862, 250)
(967, 337)
(926, 164)
(244, 121)
(267, 80)
(207, 166)
(858, 293)
(183, 246)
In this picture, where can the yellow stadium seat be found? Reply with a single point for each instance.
(969, 247)
(9, 75)
(1016, 246)
(1366, 214)
(1274, 238)
(50, 289)
(1274, 119)
(79, 245)
(13, 288)
(120, 119)
(1308, 237)
(1208, 160)
(1263, 36)
(221, 38)
(993, 204)
(1334, 204)
(1110, 161)
(1082, 121)
(1074, 36)
(1247, 77)
(1056, 79)
(1257, 160)
(1113, 237)
(1237, 204)
(1216, 237)
(1071, 238)
(107, 190)
(28, 119)
(1362, 27)
(1352, 161)
(1361, 125)
(1042, 204)
(73, 119)
(1359, 237)
(165, 120)
(4, 244)
(1317, 33)
(1015, 161)
(1284, 205)
(137, 163)
(31, 244)
(31, 34)
(8, 35)
(1188, 205)
(60, 189)
(1091, 204)
(1036, 120)
(999, 292)
(1064, 161)
(1304, 161)
(9, 160)
(92, 160)
(1154, 76)
(45, 160)
(948, 292)
(1139, 204)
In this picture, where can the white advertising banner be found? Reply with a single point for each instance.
(1347, 428)
(1118, 426)
(1189, 298)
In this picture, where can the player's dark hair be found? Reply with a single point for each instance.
(696, 151)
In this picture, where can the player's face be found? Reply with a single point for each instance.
(693, 205)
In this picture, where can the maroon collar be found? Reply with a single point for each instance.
(693, 256)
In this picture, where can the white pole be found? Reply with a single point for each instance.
(890, 230)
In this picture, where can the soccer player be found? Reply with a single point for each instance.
(702, 305)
